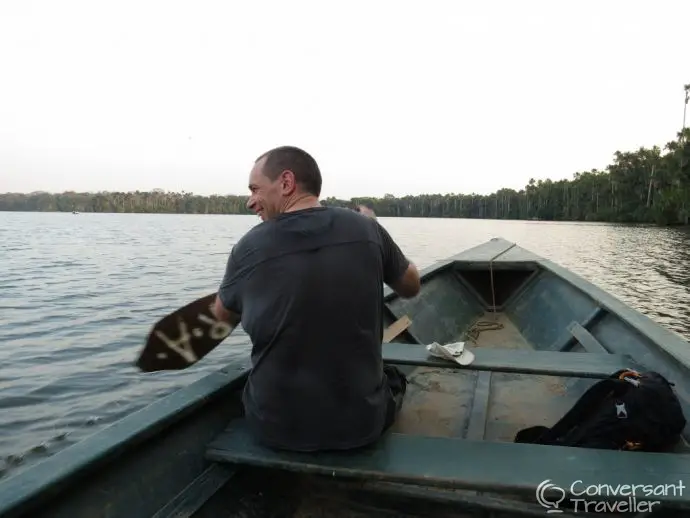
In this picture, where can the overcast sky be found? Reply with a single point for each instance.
(392, 97)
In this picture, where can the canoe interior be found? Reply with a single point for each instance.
(147, 465)
(535, 310)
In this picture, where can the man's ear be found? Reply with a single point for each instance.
(288, 182)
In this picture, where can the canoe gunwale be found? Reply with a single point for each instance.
(664, 340)
(27, 490)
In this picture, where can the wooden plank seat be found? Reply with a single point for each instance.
(494, 467)
(585, 338)
(586, 365)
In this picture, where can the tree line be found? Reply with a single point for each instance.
(649, 185)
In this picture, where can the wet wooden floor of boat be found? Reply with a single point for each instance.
(441, 402)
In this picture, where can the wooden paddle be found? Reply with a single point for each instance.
(183, 337)
(186, 335)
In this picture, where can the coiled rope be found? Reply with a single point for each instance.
(480, 326)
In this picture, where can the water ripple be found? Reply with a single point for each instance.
(77, 298)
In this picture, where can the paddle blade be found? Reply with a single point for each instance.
(183, 337)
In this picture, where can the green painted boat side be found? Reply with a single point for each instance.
(127, 456)
(450, 452)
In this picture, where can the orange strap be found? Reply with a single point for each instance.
(627, 373)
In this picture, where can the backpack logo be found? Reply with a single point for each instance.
(621, 412)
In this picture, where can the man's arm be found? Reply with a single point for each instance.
(228, 304)
(409, 284)
(223, 315)
(398, 272)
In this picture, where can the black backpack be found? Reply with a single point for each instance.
(627, 411)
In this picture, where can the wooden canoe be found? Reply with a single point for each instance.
(451, 453)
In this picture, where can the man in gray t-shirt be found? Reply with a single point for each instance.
(307, 284)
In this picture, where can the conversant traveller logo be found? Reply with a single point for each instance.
(604, 498)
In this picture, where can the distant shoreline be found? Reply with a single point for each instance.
(643, 186)
(248, 214)
(535, 203)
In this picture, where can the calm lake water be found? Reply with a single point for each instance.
(79, 293)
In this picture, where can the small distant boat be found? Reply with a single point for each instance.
(540, 334)
(75, 212)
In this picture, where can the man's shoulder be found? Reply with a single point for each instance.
(330, 214)
(337, 218)
(355, 217)
(347, 213)
(329, 211)
(251, 240)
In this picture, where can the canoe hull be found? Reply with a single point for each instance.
(156, 462)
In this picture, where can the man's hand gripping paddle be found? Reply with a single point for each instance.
(184, 337)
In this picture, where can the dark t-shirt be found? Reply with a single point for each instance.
(309, 288)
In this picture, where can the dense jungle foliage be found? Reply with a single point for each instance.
(647, 185)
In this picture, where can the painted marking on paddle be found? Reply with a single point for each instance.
(182, 345)
(219, 330)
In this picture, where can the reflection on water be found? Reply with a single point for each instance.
(78, 294)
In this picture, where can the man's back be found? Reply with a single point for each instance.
(309, 287)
